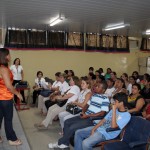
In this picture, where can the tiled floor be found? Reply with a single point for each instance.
(20, 134)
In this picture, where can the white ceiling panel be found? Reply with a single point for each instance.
(80, 15)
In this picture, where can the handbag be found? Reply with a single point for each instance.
(61, 103)
(21, 84)
(73, 109)
(45, 93)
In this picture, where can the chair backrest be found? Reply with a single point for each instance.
(138, 129)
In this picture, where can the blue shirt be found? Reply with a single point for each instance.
(98, 103)
(122, 118)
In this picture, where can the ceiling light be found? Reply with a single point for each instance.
(56, 21)
(115, 27)
(147, 32)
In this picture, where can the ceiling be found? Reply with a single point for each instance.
(80, 15)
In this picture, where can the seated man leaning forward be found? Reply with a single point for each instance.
(116, 120)
(98, 105)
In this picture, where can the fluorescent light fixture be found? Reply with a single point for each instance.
(56, 21)
(115, 27)
(147, 32)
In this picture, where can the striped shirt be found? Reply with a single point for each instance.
(98, 103)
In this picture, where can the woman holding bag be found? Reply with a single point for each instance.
(6, 97)
(81, 102)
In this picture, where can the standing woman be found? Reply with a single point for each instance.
(17, 72)
(6, 96)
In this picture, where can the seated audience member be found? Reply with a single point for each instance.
(107, 75)
(117, 119)
(39, 82)
(82, 100)
(70, 74)
(145, 92)
(145, 77)
(136, 75)
(41, 99)
(113, 76)
(110, 88)
(101, 71)
(54, 110)
(97, 74)
(63, 88)
(124, 76)
(136, 102)
(99, 78)
(119, 87)
(66, 75)
(92, 78)
(132, 81)
(146, 112)
(97, 106)
(91, 70)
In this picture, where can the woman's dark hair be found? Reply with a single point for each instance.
(111, 80)
(113, 72)
(66, 71)
(137, 85)
(137, 74)
(39, 72)
(76, 80)
(126, 75)
(72, 72)
(85, 78)
(133, 77)
(120, 79)
(148, 79)
(146, 76)
(15, 61)
(97, 71)
(101, 70)
(92, 75)
(57, 74)
(91, 68)
(3, 53)
(109, 69)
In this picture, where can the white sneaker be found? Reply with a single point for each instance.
(62, 146)
(53, 145)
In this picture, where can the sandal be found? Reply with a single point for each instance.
(15, 143)
(42, 127)
(1, 140)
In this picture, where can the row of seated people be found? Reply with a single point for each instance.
(93, 103)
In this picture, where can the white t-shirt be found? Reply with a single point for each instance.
(129, 88)
(41, 82)
(74, 90)
(56, 84)
(64, 87)
(82, 94)
(109, 91)
(16, 72)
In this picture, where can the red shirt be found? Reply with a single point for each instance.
(5, 94)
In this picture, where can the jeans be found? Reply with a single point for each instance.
(6, 112)
(71, 125)
(63, 116)
(85, 141)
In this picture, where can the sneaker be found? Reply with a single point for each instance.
(62, 146)
(53, 145)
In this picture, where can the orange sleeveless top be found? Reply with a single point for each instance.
(5, 94)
